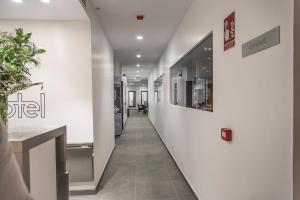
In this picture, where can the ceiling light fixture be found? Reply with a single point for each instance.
(138, 65)
(138, 71)
(138, 55)
(45, 1)
(18, 1)
(139, 37)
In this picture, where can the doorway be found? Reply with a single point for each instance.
(132, 99)
(144, 97)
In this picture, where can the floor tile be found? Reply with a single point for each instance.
(154, 189)
(140, 168)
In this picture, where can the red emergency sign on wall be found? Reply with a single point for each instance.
(229, 31)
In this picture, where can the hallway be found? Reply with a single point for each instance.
(141, 168)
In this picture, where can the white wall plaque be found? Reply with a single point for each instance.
(262, 42)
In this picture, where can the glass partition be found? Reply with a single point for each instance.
(192, 77)
(158, 88)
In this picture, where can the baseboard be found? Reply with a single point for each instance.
(105, 168)
(82, 188)
(95, 189)
(185, 179)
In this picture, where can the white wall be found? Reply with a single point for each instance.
(296, 100)
(125, 97)
(77, 71)
(66, 72)
(117, 70)
(42, 161)
(252, 95)
(103, 95)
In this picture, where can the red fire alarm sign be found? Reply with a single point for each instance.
(140, 17)
(226, 134)
(229, 31)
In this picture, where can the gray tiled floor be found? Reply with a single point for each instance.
(140, 168)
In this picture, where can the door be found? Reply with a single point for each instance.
(144, 97)
(131, 99)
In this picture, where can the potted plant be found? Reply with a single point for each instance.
(18, 55)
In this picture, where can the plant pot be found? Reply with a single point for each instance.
(3, 125)
(3, 110)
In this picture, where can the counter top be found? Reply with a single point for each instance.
(25, 138)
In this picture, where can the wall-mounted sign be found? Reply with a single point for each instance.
(25, 108)
(229, 31)
(262, 42)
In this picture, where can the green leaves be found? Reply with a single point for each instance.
(41, 51)
(18, 55)
(3, 110)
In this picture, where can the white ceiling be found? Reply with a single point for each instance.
(37, 10)
(118, 18)
(139, 73)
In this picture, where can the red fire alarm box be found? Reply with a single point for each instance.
(140, 17)
(229, 31)
(226, 134)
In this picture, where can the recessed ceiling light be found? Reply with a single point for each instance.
(18, 1)
(45, 1)
(138, 55)
(138, 71)
(139, 37)
(138, 65)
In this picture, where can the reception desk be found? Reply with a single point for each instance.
(41, 155)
